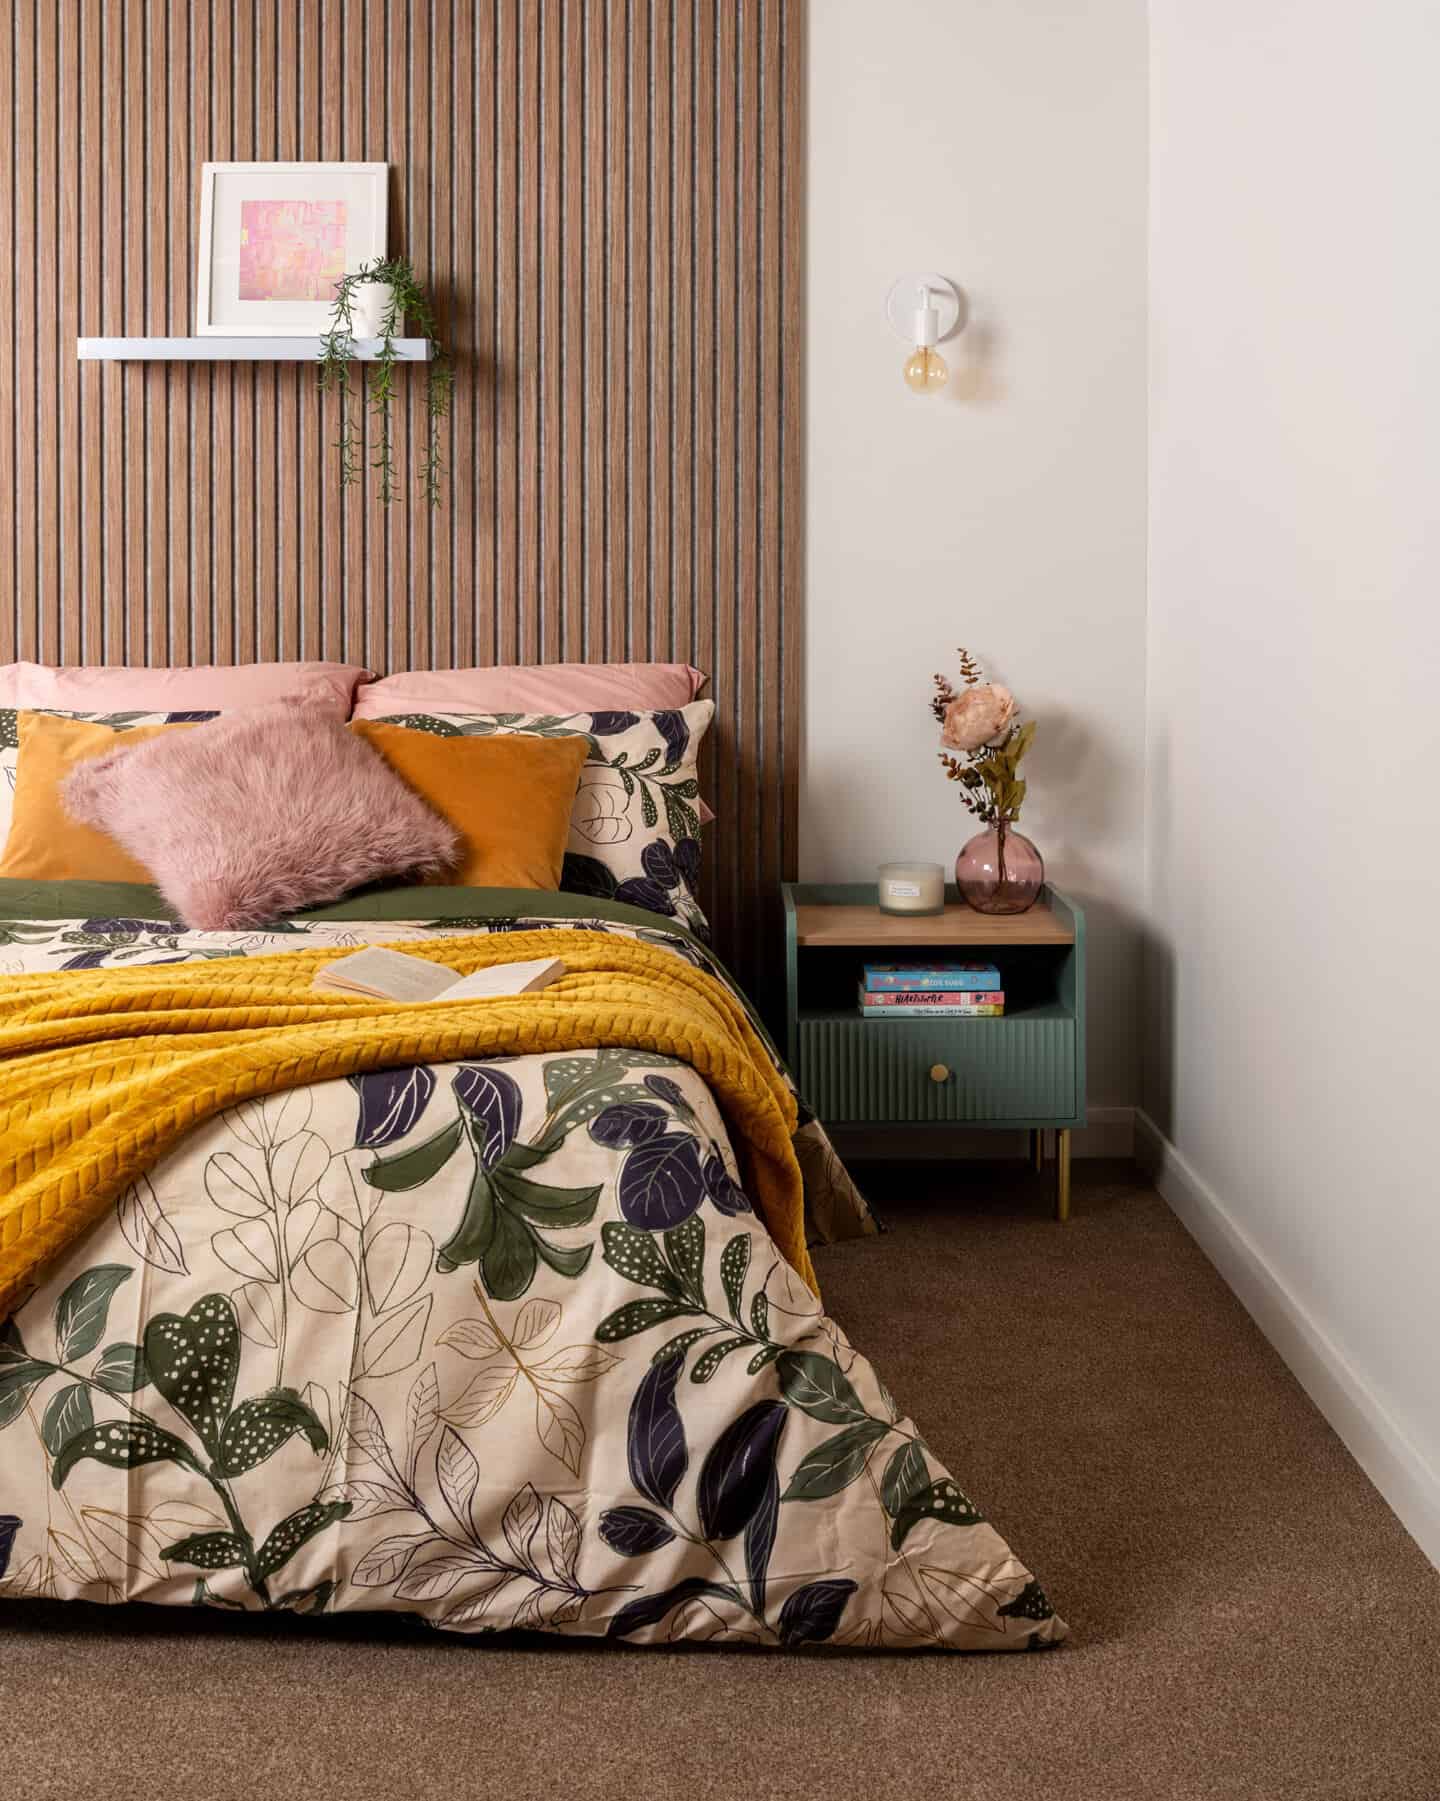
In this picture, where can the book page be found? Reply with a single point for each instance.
(388, 975)
(505, 978)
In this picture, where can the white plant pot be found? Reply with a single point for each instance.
(369, 306)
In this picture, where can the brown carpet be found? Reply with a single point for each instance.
(1249, 1620)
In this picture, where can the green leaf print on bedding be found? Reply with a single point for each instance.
(509, 1213)
(194, 1362)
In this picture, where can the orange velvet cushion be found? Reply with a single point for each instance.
(508, 796)
(45, 843)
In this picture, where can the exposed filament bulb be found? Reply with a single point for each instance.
(925, 370)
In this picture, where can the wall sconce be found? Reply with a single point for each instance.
(923, 310)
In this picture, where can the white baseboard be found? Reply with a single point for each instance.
(1409, 1484)
(1109, 1132)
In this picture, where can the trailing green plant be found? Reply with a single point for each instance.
(408, 299)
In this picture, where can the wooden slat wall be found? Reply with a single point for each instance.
(606, 197)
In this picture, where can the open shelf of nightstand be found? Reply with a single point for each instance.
(1024, 1070)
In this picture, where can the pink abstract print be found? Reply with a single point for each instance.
(291, 249)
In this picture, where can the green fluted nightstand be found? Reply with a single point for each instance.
(1025, 1071)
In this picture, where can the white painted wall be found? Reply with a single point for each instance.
(1294, 656)
(1004, 145)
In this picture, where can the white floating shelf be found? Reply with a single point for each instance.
(236, 350)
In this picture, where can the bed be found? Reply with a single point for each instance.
(501, 1340)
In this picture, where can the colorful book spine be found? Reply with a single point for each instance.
(981, 1012)
(931, 998)
(953, 977)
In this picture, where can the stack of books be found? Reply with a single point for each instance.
(931, 991)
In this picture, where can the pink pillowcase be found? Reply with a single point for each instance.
(534, 688)
(204, 688)
(261, 813)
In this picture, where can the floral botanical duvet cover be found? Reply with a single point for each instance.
(286, 1372)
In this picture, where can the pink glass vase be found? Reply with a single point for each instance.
(999, 871)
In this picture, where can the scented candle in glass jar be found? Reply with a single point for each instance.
(912, 888)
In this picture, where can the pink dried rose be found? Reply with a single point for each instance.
(981, 715)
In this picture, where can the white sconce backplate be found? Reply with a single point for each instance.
(903, 302)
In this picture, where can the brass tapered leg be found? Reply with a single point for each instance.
(1062, 1174)
(1037, 1148)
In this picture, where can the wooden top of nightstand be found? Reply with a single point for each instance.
(841, 923)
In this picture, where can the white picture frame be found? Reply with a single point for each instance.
(293, 244)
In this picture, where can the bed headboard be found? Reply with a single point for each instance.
(606, 198)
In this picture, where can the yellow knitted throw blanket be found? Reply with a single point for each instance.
(102, 1072)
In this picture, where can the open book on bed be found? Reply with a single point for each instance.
(392, 976)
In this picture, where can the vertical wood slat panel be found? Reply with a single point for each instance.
(9, 333)
(702, 493)
(570, 327)
(529, 598)
(219, 142)
(637, 388)
(158, 228)
(616, 320)
(88, 274)
(771, 362)
(29, 252)
(478, 643)
(550, 333)
(59, 565)
(439, 85)
(195, 124)
(506, 347)
(410, 138)
(606, 195)
(456, 604)
(733, 701)
(593, 327)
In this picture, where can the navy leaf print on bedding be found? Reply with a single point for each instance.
(628, 1123)
(655, 1438)
(670, 876)
(492, 1099)
(760, 1539)
(87, 959)
(726, 1194)
(9, 1526)
(739, 1469)
(661, 1183)
(392, 1102)
(586, 875)
(649, 1610)
(687, 860)
(659, 864)
(667, 1090)
(606, 725)
(655, 890)
(671, 727)
(812, 1613)
(634, 1531)
(640, 891)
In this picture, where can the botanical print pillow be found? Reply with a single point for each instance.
(10, 743)
(635, 825)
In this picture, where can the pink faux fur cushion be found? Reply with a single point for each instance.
(260, 813)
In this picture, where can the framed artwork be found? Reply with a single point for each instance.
(276, 237)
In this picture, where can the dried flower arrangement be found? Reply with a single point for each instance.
(981, 724)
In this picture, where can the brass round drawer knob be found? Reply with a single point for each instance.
(939, 1072)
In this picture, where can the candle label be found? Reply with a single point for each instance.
(910, 889)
